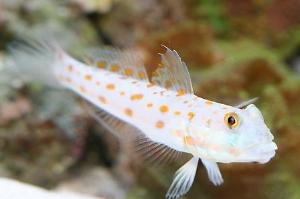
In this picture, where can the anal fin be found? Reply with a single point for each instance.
(113, 124)
(152, 152)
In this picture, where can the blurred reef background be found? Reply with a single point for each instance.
(235, 50)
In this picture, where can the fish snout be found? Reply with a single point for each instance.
(269, 136)
(265, 152)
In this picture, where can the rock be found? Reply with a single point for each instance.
(95, 181)
(103, 6)
(14, 110)
(11, 189)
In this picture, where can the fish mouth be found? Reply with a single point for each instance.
(261, 153)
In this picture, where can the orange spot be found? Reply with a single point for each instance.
(101, 64)
(177, 112)
(128, 72)
(149, 105)
(160, 124)
(209, 103)
(110, 86)
(122, 93)
(180, 92)
(70, 68)
(216, 148)
(88, 77)
(191, 115)
(150, 85)
(82, 89)
(178, 133)
(142, 75)
(188, 140)
(128, 112)
(234, 151)
(136, 97)
(160, 65)
(164, 108)
(208, 122)
(102, 99)
(115, 68)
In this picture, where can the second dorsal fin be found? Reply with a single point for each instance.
(173, 73)
(128, 63)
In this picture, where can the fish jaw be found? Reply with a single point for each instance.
(261, 154)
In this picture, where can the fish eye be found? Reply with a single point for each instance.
(231, 120)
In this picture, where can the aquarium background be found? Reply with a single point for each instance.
(235, 50)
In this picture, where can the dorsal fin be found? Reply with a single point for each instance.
(128, 63)
(246, 103)
(150, 151)
(173, 73)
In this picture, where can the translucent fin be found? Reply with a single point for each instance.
(128, 63)
(173, 73)
(34, 61)
(114, 125)
(213, 171)
(183, 179)
(246, 103)
(156, 153)
(151, 152)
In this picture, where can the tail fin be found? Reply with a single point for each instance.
(35, 61)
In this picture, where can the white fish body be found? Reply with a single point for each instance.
(166, 111)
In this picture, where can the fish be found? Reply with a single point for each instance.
(163, 110)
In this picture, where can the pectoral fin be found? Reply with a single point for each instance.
(183, 180)
(213, 172)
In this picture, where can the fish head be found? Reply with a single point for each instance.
(254, 140)
(238, 135)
